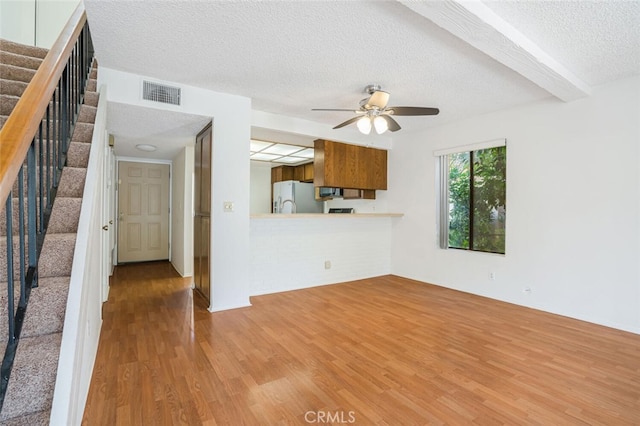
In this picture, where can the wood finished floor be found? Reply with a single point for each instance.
(379, 351)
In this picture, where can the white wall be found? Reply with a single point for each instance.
(52, 17)
(573, 187)
(17, 21)
(182, 212)
(290, 253)
(230, 178)
(34, 23)
(260, 200)
(83, 319)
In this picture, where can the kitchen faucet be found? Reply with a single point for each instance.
(293, 205)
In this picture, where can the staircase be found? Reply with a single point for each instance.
(30, 388)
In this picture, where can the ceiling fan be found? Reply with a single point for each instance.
(375, 113)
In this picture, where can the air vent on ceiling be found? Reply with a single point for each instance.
(160, 93)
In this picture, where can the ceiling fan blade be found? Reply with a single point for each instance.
(412, 111)
(378, 99)
(346, 123)
(391, 123)
(335, 109)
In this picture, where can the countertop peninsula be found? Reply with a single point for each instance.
(321, 215)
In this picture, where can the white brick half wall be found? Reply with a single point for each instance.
(290, 253)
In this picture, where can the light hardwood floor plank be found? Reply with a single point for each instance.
(384, 351)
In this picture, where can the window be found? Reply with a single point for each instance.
(473, 197)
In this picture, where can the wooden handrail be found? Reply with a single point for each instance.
(23, 123)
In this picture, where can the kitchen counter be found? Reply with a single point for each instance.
(293, 251)
(322, 215)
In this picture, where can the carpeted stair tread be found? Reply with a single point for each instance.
(8, 103)
(15, 214)
(83, 132)
(4, 309)
(56, 257)
(65, 215)
(11, 72)
(15, 187)
(78, 154)
(12, 87)
(72, 182)
(87, 114)
(21, 49)
(92, 85)
(47, 305)
(91, 98)
(16, 257)
(41, 418)
(33, 376)
(17, 60)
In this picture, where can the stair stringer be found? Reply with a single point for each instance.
(83, 318)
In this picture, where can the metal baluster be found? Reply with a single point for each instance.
(72, 68)
(57, 119)
(69, 112)
(10, 304)
(41, 169)
(21, 234)
(32, 201)
(85, 56)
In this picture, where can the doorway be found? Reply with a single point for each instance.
(143, 212)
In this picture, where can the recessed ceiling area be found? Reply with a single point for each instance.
(280, 153)
(136, 129)
(168, 131)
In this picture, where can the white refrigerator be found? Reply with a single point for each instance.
(292, 196)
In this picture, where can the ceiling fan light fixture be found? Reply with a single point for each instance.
(378, 99)
(364, 125)
(376, 112)
(380, 125)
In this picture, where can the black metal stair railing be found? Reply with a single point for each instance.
(26, 218)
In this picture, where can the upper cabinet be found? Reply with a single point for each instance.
(282, 173)
(341, 165)
(308, 172)
(302, 172)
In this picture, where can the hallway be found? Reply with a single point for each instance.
(384, 350)
(144, 370)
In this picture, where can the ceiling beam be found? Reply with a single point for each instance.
(478, 25)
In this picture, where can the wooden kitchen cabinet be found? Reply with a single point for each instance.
(341, 165)
(302, 173)
(282, 173)
(308, 172)
(356, 194)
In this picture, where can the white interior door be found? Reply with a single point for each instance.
(108, 218)
(143, 212)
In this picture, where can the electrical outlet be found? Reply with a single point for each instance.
(327, 264)
(227, 206)
(492, 275)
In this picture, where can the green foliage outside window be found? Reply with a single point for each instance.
(477, 200)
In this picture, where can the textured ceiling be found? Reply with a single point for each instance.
(598, 40)
(168, 131)
(291, 56)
